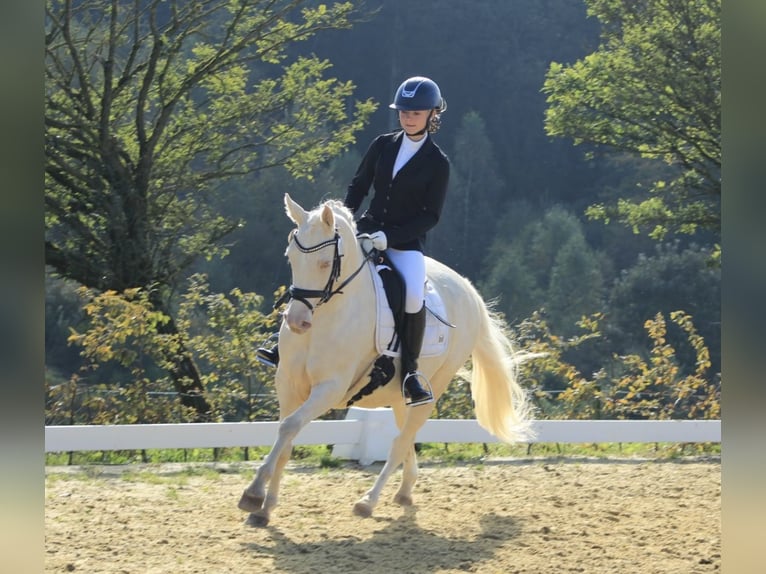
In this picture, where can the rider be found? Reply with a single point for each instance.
(409, 174)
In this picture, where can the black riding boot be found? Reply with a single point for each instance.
(268, 356)
(415, 386)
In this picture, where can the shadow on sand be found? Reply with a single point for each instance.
(400, 546)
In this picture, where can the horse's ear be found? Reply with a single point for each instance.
(328, 217)
(294, 211)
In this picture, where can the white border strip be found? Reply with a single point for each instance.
(374, 426)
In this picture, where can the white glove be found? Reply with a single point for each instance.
(379, 240)
(376, 240)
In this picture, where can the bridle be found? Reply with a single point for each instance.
(325, 294)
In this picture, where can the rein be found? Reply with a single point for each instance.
(325, 294)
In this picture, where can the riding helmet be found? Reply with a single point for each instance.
(418, 93)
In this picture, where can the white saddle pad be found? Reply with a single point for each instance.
(436, 336)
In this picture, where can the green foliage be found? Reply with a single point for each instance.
(456, 402)
(63, 309)
(628, 387)
(652, 88)
(256, 249)
(669, 278)
(551, 374)
(222, 331)
(576, 285)
(631, 387)
(546, 264)
(645, 382)
(465, 230)
(151, 107)
(319, 457)
(123, 329)
(163, 168)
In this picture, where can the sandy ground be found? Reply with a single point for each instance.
(530, 516)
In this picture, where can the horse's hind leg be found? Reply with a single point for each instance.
(439, 381)
(409, 467)
(400, 448)
(403, 496)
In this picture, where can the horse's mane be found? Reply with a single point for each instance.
(340, 210)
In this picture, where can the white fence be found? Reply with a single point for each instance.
(365, 435)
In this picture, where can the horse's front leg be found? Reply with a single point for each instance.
(262, 496)
(254, 495)
(255, 499)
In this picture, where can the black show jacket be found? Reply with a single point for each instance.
(410, 204)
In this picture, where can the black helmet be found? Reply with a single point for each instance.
(418, 93)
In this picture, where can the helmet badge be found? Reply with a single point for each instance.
(410, 93)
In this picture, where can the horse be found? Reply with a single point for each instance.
(327, 350)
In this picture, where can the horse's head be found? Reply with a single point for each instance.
(315, 250)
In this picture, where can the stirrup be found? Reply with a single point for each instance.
(428, 397)
(267, 357)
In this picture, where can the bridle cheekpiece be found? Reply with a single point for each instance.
(325, 294)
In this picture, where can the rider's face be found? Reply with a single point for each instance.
(413, 121)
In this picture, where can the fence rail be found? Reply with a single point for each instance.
(365, 435)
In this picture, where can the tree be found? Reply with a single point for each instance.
(222, 330)
(152, 106)
(63, 310)
(549, 265)
(671, 278)
(475, 197)
(652, 88)
(256, 259)
(576, 285)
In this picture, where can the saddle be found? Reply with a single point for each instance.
(389, 297)
(389, 300)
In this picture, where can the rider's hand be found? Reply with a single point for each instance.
(379, 240)
(376, 240)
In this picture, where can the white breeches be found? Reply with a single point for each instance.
(412, 266)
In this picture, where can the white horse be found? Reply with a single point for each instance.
(327, 349)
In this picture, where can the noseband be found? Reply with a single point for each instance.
(325, 294)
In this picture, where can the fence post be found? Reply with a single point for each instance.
(378, 432)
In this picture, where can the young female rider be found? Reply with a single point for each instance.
(409, 174)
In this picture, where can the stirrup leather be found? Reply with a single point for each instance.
(420, 378)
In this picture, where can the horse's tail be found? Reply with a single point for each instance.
(502, 406)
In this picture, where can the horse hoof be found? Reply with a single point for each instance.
(363, 510)
(250, 502)
(403, 500)
(257, 519)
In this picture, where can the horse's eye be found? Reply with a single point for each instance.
(324, 264)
